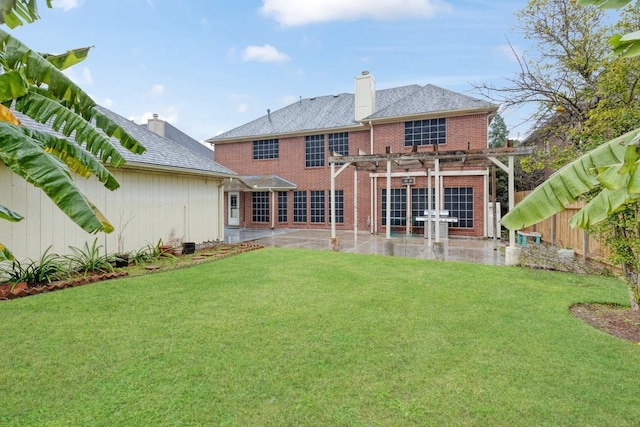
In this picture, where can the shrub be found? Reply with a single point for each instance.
(50, 267)
(89, 260)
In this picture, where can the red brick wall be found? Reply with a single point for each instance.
(290, 165)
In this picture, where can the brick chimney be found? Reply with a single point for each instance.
(365, 95)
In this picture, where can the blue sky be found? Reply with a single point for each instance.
(210, 66)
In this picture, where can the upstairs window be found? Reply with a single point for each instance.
(265, 149)
(314, 151)
(339, 144)
(425, 132)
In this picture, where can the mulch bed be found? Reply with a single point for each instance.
(613, 319)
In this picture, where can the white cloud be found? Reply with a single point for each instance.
(157, 90)
(243, 108)
(80, 76)
(107, 102)
(303, 12)
(509, 51)
(237, 96)
(67, 5)
(169, 114)
(266, 53)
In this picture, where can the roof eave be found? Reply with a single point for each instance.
(176, 170)
(434, 114)
(363, 125)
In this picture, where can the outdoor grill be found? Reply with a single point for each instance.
(443, 220)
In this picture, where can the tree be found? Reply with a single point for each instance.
(498, 132)
(34, 85)
(560, 72)
(608, 175)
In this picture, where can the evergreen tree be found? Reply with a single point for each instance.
(498, 132)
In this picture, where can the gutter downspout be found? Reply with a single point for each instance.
(221, 210)
(273, 208)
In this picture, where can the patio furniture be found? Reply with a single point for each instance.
(522, 236)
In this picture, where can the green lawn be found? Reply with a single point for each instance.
(293, 337)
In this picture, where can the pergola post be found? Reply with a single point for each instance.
(427, 222)
(355, 203)
(333, 204)
(437, 210)
(388, 231)
(512, 198)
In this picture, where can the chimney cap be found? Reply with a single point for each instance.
(155, 115)
(365, 73)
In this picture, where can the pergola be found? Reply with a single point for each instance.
(421, 163)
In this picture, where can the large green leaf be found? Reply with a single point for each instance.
(577, 178)
(37, 105)
(5, 254)
(605, 4)
(111, 128)
(38, 71)
(69, 58)
(12, 86)
(25, 157)
(600, 207)
(74, 157)
(14, 12)
(9, 215)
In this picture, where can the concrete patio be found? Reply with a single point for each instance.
(483, 251)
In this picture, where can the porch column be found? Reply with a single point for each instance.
(355, 203)
(333, 203)
(388, 234)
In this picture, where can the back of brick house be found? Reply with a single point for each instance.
(282, 159)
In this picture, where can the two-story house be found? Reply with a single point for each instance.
(282, 160)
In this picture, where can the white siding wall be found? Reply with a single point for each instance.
(146, 207)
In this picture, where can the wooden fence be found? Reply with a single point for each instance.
(557, 231)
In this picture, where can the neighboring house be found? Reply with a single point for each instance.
(292, 145)
(169, 191)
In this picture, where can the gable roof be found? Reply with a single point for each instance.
(161, 153)
(176, 135)
(338, 112)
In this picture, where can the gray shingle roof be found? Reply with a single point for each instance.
(176, 135)
(430, 99)
(338, 111)
(160, 151)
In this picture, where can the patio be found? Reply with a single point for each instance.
(482, 251)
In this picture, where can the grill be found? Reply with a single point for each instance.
(443, 226)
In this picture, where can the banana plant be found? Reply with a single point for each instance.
(14, 12)
(33, 84)
(611, 167)
(624, 45)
